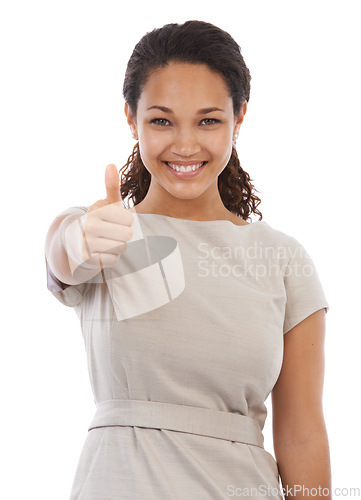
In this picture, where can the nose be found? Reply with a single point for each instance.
(185, 143)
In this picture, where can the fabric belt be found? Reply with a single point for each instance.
(180, 418)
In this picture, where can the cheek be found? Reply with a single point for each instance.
(220, 144)
(151, 144)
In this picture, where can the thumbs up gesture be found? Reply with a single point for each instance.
(107, 225)
(112, 184)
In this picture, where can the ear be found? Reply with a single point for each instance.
(132, 122)
(239, 118)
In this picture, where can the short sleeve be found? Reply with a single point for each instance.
(69, 295)
(304, 291)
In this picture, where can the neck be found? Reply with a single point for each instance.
(207, 206)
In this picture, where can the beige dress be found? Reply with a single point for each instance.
(184, 341)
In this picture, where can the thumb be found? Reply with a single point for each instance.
(112, 184)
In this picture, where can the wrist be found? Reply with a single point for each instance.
(76, 247)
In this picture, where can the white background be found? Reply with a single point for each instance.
(62, 122)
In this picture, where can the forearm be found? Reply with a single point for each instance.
(57, 256)
(305, 467)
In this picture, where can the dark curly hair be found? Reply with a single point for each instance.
(194, 42)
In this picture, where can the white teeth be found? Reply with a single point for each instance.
(189, 168)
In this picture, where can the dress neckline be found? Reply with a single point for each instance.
(204, 221)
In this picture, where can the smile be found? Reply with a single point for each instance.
(188, 168)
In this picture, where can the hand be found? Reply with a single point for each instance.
(106, 226)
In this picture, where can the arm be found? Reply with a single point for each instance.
(76, 255)
(57, 256)
(299, 431)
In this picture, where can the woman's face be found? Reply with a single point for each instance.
(184, 119)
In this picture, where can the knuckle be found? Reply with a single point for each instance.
(127, 217)
(123, 247)
(130, 217)
(89, 227)
(96, 205)
(128, 233)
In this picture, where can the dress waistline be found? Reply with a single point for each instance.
(180, 418)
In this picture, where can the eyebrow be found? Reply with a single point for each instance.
(200, 111)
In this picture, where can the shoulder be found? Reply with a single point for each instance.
(276, 237)
(279, 246)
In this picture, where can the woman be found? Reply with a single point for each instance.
(191, 315)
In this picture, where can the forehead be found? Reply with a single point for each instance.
(180, 85)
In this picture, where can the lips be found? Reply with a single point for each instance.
(188, 166)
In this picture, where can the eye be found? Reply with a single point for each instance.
(210, 121)
(159, 121)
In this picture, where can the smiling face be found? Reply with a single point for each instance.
(184, 121)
